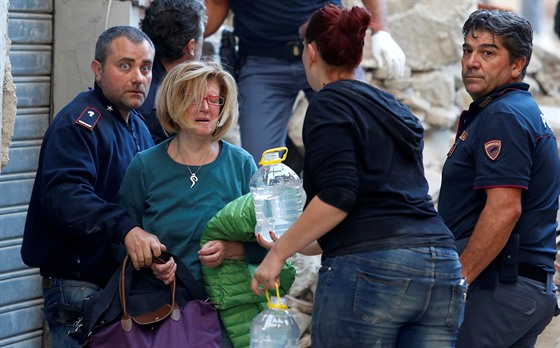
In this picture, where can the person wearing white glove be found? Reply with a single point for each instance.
(386, 52)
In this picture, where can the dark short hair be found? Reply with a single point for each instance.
(107, 37)
(338, 33)
(171, 24)
(514, 30)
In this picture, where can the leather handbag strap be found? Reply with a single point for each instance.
(110, 293)
(145, 318)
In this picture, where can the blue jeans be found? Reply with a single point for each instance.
(64, 292)
(268, 88)
(510, 315)
(389, 298)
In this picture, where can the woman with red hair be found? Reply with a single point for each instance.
(390, 274)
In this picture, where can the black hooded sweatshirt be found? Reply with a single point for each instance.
(363, 154)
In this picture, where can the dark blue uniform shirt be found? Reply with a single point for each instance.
(271, 23)
(73, 217)
(503, 140)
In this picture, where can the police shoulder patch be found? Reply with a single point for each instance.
(89, 118)
(492, 149)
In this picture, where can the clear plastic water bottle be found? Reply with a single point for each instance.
(275, 327)
(277, 193)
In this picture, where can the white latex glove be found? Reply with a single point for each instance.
(387, 54)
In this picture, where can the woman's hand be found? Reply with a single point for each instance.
(264, 243)
(267, 274)
(164, 271)
(213, 253)
(311, 249)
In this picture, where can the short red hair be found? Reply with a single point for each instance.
(338, 33)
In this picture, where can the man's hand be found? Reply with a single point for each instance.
(141, 246)
(387, 54)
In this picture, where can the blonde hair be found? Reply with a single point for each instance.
(187, 82)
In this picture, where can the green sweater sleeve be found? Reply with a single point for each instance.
(228, 285)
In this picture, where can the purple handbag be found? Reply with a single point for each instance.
(194, 325)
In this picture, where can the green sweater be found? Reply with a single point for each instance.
(228, 285)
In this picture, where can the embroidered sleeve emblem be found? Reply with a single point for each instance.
(492, 149)
(89, 118)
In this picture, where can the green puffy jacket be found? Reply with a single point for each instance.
(229, 285)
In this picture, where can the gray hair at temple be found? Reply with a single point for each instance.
(107, 37)
(514, 30)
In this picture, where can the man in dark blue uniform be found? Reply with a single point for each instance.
(500, 187)
(176, 28)
(73, 217)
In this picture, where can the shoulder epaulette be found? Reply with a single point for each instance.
(89, 118)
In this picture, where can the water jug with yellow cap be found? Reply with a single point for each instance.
(274, 327)
(277, 194)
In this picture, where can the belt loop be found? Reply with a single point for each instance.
(433, 252)
(549, 283)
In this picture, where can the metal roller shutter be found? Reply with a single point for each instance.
(30, 24)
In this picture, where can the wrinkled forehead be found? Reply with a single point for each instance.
(480, 36)
(124, 47)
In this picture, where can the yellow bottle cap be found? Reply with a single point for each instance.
(278, 305)
(275, 160)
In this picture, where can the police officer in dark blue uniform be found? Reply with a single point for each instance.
(500, 187)
(73, 217)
